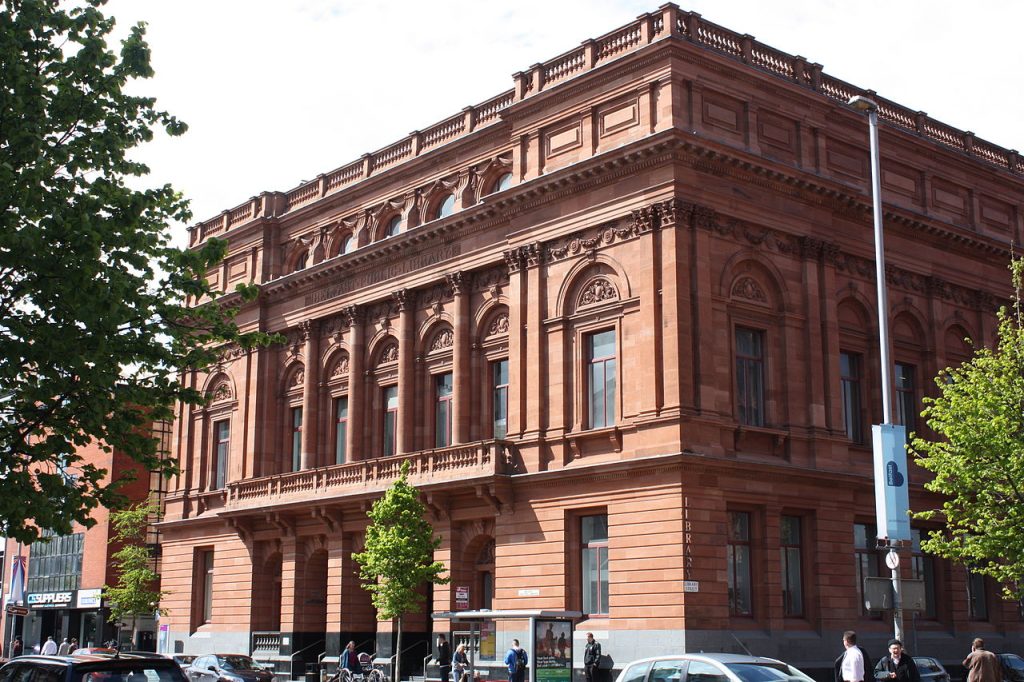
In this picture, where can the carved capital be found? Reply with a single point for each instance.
(531, 254)
(353, 314)
(644, 219)
(307, 329)
(402, 298)
(513, 259)
(457, 281)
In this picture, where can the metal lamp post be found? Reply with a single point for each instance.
(891, 498)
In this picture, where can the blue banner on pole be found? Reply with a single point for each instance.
(892, 499)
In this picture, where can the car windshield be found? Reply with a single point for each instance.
(766, 671)
(927, 664)
(1015, 662)
(236, 663)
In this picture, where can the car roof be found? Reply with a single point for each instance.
(716, 657)
(88, 659)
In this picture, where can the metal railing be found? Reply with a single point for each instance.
(291, 660)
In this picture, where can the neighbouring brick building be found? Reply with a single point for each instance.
(621, 319)
(65, 575)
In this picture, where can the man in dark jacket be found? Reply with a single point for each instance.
(444, 658)
(591, 657)
(898, 664)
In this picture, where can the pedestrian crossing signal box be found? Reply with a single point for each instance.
(878, 595)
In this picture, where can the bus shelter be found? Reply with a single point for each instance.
(548, 641)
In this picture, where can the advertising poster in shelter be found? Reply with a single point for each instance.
(552, 650)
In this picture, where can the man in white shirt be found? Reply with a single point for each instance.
(852, 663)
(49, 648)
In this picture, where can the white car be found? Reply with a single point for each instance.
(710, 668)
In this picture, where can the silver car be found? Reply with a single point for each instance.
(710, 668)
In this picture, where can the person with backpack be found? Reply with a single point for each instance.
(516, 660)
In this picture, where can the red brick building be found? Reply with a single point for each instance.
(621, 319)
(65, 576)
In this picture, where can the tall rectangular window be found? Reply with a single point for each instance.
(594, 561)
(922, 567)
(499, 396)
(296, 438)
(206, 557)
(849, 371)
(750, 376)
(222, 441)
(865, 558)
(741, 597)
(390, 421)
(906, 403)
(977, 599)
(790, 550)
(443, 410)
(601, 379)
(340, 430)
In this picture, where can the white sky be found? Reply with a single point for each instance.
(278, 91)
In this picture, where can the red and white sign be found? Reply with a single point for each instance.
(462, 597)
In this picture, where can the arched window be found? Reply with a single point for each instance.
(348, 244)
(445, 207)
(501, 183)
(439, 369)
(394, 227)
(301, 261)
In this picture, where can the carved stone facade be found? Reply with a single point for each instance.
(635, 319)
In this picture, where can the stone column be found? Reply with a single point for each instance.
(291, 569)
(338, 544)
(406, 371)
(356, 445)
(537, 419)
(310, 393)
(461, 360)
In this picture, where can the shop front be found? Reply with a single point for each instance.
(66, 614)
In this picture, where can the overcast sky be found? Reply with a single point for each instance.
(278, 91)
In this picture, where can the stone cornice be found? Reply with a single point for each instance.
(668, 146)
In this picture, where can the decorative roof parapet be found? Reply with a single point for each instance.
(667, 21)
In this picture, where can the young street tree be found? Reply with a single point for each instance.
(978, 459)
(135, 593)
(398, 560)
(94, 327)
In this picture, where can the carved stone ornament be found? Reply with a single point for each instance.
(746, 287)
(599, 290)
(443, 339)
(499, 325)
(296, 379)
(389, 354)
(222, 391)
(340, 368)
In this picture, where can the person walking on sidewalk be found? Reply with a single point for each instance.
(982, 665)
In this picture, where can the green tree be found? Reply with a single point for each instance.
(135, 592)
(398, 560)
(978, 460)
(94, 321)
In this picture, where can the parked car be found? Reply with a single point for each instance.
(710, 668)
(227, 668)
(931, 670)
(1013, 667)
(184, 660)
(91, 668)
